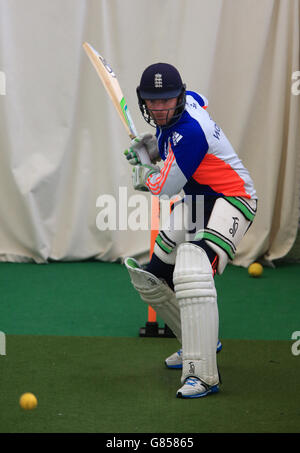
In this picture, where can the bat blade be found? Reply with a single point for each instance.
(111, 84)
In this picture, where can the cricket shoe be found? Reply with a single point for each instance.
(175, 360)
(195, 388)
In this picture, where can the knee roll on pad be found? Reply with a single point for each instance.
(157, 294)
(196, 294)
(171, 234)
(166, 245)
(229, 220)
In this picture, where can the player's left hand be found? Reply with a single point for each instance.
(132, 157)
(140, 174)
(143, 150)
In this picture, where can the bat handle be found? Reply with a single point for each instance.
(143, 155)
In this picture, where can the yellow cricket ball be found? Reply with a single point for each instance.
(255, 269)
(28, 401)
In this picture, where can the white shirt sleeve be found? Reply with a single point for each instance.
(169, 181)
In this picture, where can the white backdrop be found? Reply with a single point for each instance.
(61, 141)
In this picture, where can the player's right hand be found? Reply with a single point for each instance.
(140, 174)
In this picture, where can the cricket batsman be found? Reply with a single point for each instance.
(218, 207)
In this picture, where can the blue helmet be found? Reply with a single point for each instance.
(161, 81)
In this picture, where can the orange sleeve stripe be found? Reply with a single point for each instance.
(164, 169)
(157, 186)
(162, 172)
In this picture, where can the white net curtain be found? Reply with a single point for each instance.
(61, 141)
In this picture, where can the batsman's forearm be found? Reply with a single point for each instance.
(169, 181)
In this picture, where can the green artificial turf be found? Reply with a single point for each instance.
(97, 299)
(72, 339)
(114, 385)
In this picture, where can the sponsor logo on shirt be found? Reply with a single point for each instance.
(176, 137)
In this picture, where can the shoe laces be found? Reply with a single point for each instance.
(191, 381)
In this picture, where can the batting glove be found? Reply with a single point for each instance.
(140, 174)
(141, 146)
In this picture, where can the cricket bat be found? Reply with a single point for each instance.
(111, 84)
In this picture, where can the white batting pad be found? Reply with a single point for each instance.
(157, 294)
(196, 294)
